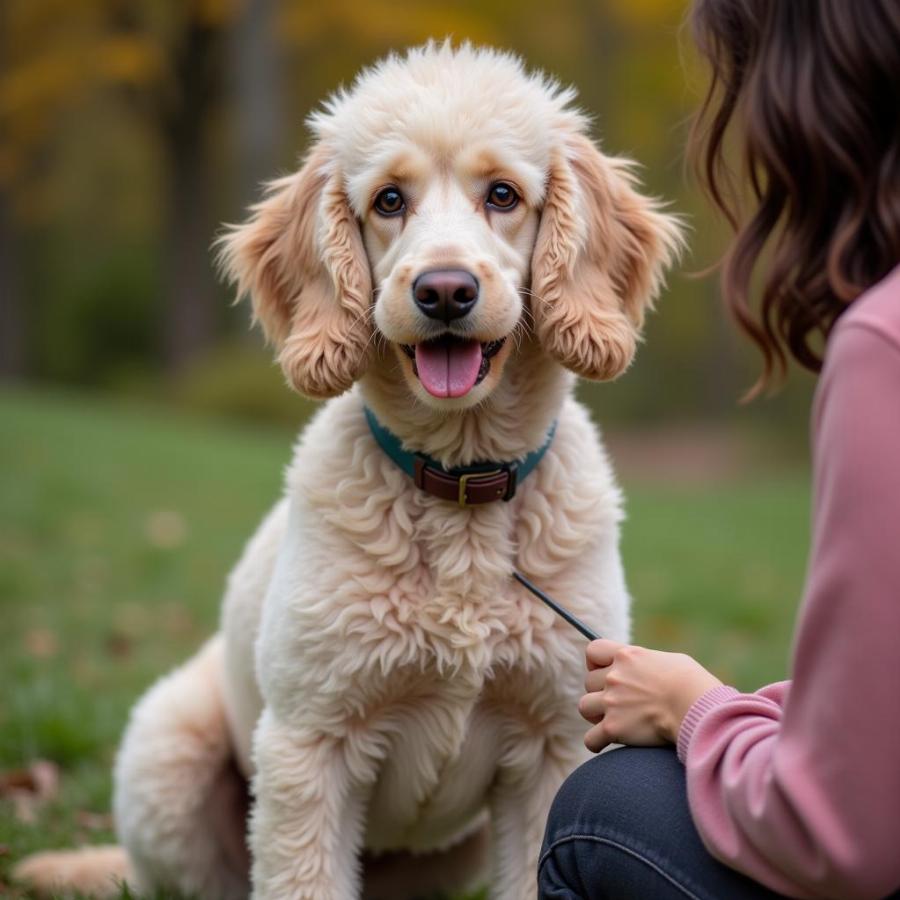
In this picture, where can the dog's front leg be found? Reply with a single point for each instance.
(307, 825)
(519, 809)
(540, 746)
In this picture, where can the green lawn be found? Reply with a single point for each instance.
(118, 526)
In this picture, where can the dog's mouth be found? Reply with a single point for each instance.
(450, 366)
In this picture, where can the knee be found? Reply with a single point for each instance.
(614, 791)
(579, 790)
(607, 811)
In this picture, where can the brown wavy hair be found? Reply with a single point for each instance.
(812, 90)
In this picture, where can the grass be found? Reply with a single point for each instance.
(118, 526)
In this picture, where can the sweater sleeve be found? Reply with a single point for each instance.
(799, 786)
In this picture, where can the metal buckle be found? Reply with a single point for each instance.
(464, 480)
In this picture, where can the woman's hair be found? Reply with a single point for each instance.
(813, 89)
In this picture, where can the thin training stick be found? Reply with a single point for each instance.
(589, 633)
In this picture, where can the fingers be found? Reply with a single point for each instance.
(597, 738)
(595, 680)
(600, 653)
(592, 707)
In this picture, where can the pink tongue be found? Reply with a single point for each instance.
(448, 368)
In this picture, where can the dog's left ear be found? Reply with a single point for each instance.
(300, 258)
(599, 259)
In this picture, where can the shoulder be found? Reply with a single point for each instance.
(864, 347)
(858, 395)
(875, 312)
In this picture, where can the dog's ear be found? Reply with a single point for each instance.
(600, 255)
(301, 259)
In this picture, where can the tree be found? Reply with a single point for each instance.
(167, 59)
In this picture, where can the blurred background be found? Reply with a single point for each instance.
(130, 130)
(144, 427)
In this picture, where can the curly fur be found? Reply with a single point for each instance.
(386, 685)
(301, 260)
(599, 257)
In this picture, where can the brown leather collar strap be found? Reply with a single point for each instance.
(468, 489)
(482, 482)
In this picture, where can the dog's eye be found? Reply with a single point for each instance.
(502, 196)
(389, 202)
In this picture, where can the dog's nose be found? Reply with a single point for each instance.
(445, 294)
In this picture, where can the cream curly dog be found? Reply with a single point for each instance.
(453, 249)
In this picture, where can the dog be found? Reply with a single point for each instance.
(452, 253)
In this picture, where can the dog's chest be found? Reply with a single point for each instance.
(433, 781)
(447, 726)
(455, 616)
(437, 588)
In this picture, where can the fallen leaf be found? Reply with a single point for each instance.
(165, 529)
(176, 619)
(118, 645)
(29, 789)
(9, 892)
(94, 821)
(42, 643)
(15, 779)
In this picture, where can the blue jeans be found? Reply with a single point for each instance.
(620, 827)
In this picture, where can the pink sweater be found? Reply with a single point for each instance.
(798, 785)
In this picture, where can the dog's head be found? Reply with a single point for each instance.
(450, 199)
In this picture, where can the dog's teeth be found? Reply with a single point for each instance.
(491, 348)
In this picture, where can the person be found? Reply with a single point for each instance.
(793, 790)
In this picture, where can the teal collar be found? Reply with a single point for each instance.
(466, 485)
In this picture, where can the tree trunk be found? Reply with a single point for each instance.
(191, 317)
(12, 315)
(256, 65)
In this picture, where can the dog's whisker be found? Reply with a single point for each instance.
(376, 339)
(523, 327)
(518, 335)
(539, 297)
(528, 311)
(365, 314)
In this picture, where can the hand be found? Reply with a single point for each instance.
(637, 696)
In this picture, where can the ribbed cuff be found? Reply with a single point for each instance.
(702, 705)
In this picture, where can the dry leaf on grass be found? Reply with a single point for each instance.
(29, 789)
(42, 643)
(8, 892)
(118, 644)
(93, 821)
(165, 529)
